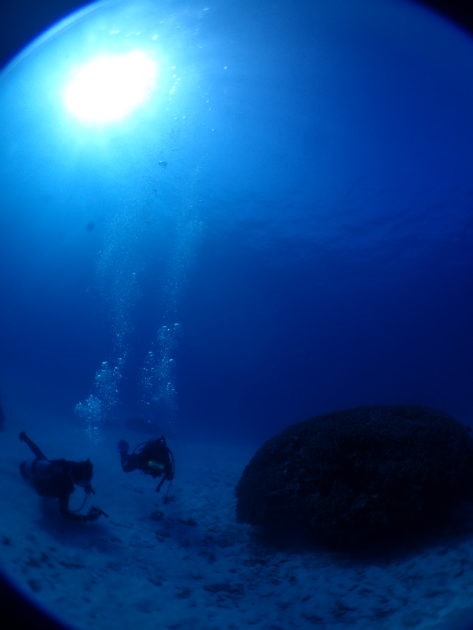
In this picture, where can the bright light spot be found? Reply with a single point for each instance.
(109, 87)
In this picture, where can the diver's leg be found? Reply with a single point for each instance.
(36, 450)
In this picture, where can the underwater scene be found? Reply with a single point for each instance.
(236, 305)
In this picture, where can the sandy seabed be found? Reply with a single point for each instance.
(188, 565)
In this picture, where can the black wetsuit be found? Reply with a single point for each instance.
(54, 478)
(154, 458)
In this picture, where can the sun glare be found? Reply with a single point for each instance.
(109, 87)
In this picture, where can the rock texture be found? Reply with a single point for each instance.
(363, 474)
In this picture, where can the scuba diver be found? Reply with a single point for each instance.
(58, 478)
(153, 457)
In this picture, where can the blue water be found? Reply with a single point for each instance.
(289, 233)
(282, 229)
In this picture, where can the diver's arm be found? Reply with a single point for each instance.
(91, 515)
(34, 447)
(65, 511)
(126, 460)
(130, 461)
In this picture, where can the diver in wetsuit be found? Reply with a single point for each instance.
(153, 457)
(58, 478)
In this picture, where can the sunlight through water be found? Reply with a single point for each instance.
(109, 87)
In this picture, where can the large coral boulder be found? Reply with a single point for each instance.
(364, 474)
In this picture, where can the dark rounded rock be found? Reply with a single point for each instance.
(361, 475)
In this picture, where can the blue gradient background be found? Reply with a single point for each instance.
(311, 233)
